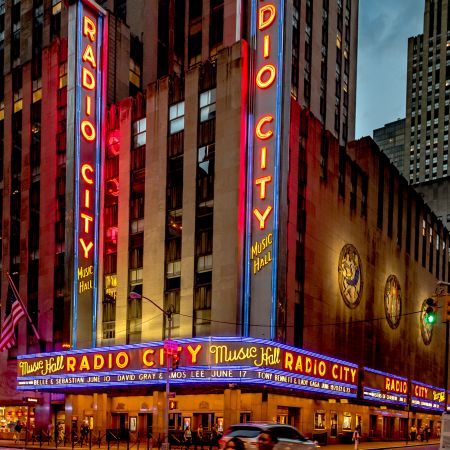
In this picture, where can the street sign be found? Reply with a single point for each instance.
(171, 347)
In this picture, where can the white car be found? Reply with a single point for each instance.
(288, 437)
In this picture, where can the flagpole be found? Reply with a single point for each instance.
(17, 295)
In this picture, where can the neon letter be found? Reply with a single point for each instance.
(194, 351)
(88, 55)
(87, 219)
(270, 69)
(88, 130)
(89, 28)
(262, 217)
(148, 362)
(84, 169)
(265, 20)
(266, 46)
(87, 79)
(261, 134)
(87, 202)
(262, 181)
(88, 105)
(87, 248)
(263, 157)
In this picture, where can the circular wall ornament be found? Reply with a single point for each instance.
(426, 329)
(349, 276)
(393, 301)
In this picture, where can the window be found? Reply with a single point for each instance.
(176, 118)
(139, 133)
(207, 105)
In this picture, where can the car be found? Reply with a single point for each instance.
(288, 437)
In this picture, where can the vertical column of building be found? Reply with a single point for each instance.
(136, 218)
(163, 217)
(308, 36)
(122, 258)
(205, 176)
(295, 61)
(43, 164)
(194, 31)
(2, 130)
(229, 162)
(188, 193)
(111, 227)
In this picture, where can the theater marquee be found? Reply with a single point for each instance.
(202, 360)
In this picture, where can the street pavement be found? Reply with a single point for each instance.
(377, 445)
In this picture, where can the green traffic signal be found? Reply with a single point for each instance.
(431, 318)
(430, 312)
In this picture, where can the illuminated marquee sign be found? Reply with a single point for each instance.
(214, 360)
(382, 387)
(87, 90)
(263, 166)
(424, 396)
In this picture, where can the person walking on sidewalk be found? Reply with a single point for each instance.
(356, 437)
(413, 432)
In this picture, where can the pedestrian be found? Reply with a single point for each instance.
(356, 437)
(413, 433)
(188, 436)
(266, 440)
(427, 432)
(200, 435)
(234, 444)
(50, 431)
(17, 430)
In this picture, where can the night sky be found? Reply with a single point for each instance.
(384, 29)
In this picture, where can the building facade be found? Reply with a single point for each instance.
(297, 267)
(391, 140)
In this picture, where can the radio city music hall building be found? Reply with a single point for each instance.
(298, 266)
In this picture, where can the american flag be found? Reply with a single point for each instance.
(14, 312)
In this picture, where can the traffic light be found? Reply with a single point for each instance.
(446, 312)
(430, 312)
(176, 358)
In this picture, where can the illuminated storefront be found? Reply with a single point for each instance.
(292, 376)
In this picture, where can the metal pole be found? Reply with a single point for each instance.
(168, 314)
(447, 327)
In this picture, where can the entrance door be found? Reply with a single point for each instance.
(388, 427)
(145, 423)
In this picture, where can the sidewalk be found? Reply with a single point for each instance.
(377, 445)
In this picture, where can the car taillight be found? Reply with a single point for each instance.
(221, 442)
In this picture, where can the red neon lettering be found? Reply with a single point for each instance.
(86, 248)
(88, 130)
(87, 79)
(262, 182)
(261, 134)
(89, 28)
(266, 16)
(88, 55)
(87, 168)
(262, 217)
(87, 219)
(267, 69)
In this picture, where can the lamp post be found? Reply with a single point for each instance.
(169, 351)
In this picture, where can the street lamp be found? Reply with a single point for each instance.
(168, 347)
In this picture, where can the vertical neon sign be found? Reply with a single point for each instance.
(263, 169)
(90, 84)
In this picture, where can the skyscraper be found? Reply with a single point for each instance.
(428, 94)
(391, 140)
(428, 106)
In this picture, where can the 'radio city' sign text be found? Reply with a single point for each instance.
(215, 358)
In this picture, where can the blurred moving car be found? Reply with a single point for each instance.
(288, 437)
